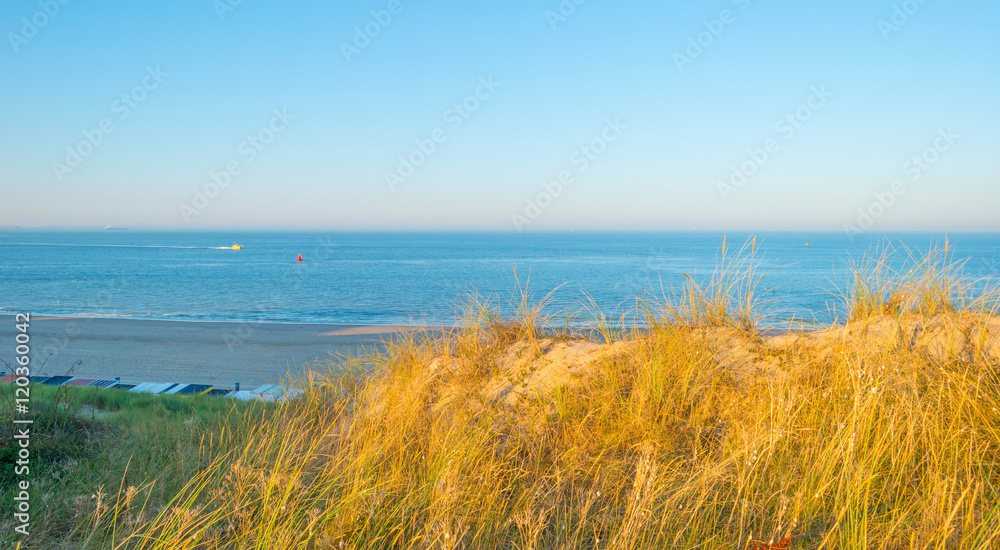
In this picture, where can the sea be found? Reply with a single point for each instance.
(434, 278)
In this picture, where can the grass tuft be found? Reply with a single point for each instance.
(691, 432)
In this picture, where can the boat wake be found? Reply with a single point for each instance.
(122, 246)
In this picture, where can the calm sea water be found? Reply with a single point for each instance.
(388, 278)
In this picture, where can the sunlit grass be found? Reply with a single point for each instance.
(862, 440)
(728, 297)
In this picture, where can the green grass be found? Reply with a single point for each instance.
(87, 441)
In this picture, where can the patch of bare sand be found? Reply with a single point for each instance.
(531, 373)
(522, 371)
(963, 336)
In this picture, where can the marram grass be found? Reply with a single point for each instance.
(692, 433)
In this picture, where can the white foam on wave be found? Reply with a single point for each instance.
(107, 314)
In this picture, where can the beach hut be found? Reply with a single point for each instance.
(38, 379)
(243, 395)
(57, 380)
(80, 382)
(190, 389)
(105, 384)
(273, 392)
(267, 389)
(266, 392)
(153, 388)
(8, 378)
(269, 392)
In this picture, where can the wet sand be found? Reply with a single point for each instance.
(218, 353)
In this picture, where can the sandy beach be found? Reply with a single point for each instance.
(218, 353)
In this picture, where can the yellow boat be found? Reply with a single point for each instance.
(237, 247)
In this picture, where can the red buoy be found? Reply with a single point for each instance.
(300, 257)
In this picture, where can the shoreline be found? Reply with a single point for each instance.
(219, 353)
(214, 352)
(7, 312)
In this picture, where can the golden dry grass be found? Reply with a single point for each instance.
(693, 432)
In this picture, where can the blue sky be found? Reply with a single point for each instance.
(664, 124)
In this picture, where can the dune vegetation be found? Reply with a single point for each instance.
(696, 428)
